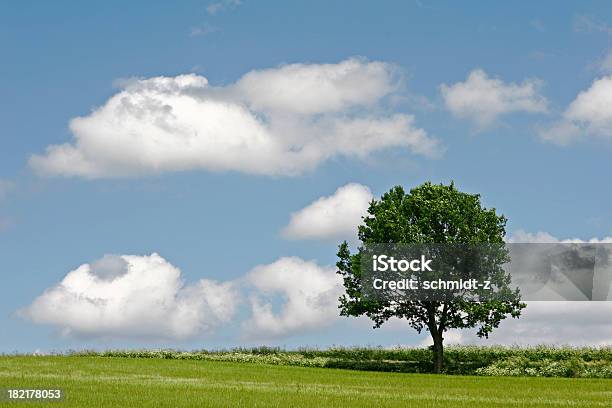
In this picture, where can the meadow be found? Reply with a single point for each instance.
(94, 381)
(540, 361)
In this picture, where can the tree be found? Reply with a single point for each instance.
(429, 214)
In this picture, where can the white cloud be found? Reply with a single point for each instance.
(310, 293)
(281, 121)
(133, 296)
(540, 237)
(548, 322)
(560, 133)
(590, 114)
(144, 297)
(553, 323)
(335, 216)
(593, 107)
(482, 99)
(317, 88)
(217, 7)
(451, 337)
(563, 322)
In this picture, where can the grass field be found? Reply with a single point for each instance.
(131, 382)
(539, 361)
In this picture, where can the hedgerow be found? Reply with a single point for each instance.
(540, 361)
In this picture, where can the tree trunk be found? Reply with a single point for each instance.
(438, 349)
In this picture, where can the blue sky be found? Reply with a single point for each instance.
(61, 60)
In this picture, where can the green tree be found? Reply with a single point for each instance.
(429, 214)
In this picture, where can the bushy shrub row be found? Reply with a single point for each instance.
(519, 366)
(468, 360)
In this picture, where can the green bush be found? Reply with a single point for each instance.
(520, 366)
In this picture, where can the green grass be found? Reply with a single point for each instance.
(540, 361)
(153, 382)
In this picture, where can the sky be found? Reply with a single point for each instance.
(180, 174)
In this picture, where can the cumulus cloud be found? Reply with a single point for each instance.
(317, 88)
(592, 108)
(576, 323)
(540, 237)
(589, 115)
(309, 298)
(144, 297)
(482, 99)
(335, 216)
(451, 337)
(280, 121)
(553, 323)
(133, 296)
(560, 322)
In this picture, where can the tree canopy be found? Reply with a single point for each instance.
(428, 214)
